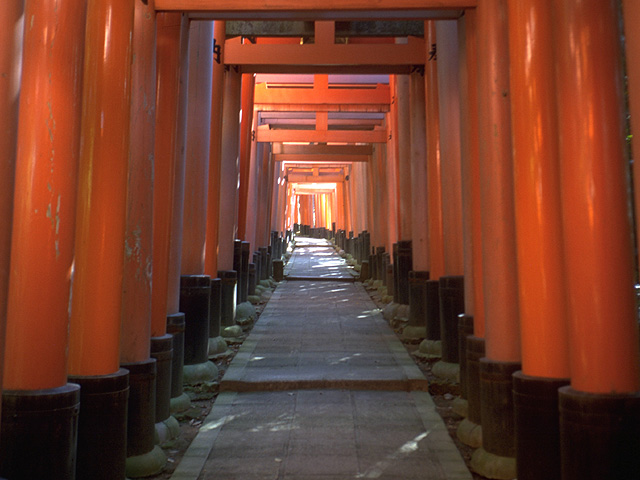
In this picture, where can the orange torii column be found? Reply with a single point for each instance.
(96, 303)
(469, 431)
(246, 141)
(393, 153)
(195, 286)
(144, 458)
(403, 134)
(432, 344)
(600, 411)
(12, 27)
(255, 152)
(229, 174)
(419, 274)
(541, 278)
(498, 244)
(172, 34)
(631, 12)
(451, 284)
(217, 344)
(40, 409)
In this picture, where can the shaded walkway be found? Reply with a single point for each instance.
(322, 389)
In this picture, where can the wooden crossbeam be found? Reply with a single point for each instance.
(280, 148)
(321, 136)
(316, 9)
(325, 57)
(336, 158)
(289, 94)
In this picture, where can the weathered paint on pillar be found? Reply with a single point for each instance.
(175, 250)
(246, 141)
(496, 190)
(434, 175)
(102, 185)
(215, 150)
(471, 212)
(449, 96)
(262, 228)
(419, 182)
(253, 199)
(169, 28)
(631, 10)
(403, 98)
(46, 166)
(541, 278)
(603, 327)
(229, 170)
(136, 288)
(11, 34)
(194, 222)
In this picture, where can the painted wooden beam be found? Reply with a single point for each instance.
(321, 136)
(313, 9)
(325, 57)
(280, 148)
(270, 94)
(287, 157)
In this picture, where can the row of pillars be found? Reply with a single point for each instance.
(118, 242)
(522, 271)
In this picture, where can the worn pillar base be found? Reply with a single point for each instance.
(599, 435)
(429, 349)
(278, 270)
(469, 433)
(102, 427)
(245, 315)
(195, 296)
(167, 430)
(175, 326)
(364, 271)
(39, 433)
(496, 391)
(150, 463)
(414, 332)
(228, 297)
(493, 466)
(460, 406)
(537, 426)
(432, 305)
(162, 352)
(475, 351)
(200, 373)
(145, 461)
(451, 305)
(180, 404)
(446, 371)
(217, 347)
(465, 328)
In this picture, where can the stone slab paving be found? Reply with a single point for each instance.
(321, 390)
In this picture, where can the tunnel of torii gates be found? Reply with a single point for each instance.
(470, 156)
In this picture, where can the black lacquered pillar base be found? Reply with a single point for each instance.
(39, 433)
(599, 435)
(537, 426)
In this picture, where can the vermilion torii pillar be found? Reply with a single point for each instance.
(469, 431)
(502, 339)
(144, 458)
(11, 26)
(541, 276)
(599, 412)
(39, 406)
(246, 128)
(403, 133)
(228, 192)
(94, 345)
(172, 42)
(195, 286)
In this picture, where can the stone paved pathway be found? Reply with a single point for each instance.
(322, 390)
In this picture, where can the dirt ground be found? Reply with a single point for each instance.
(203, 396)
